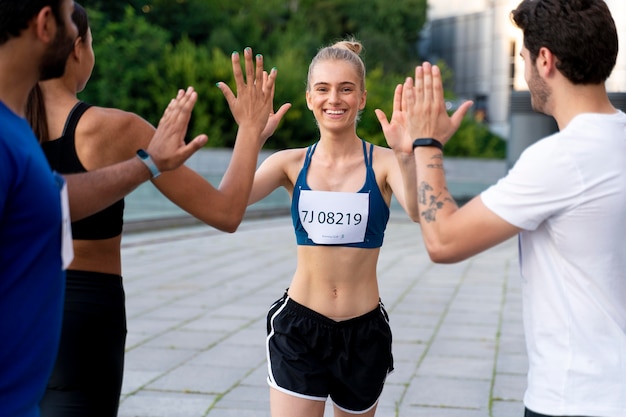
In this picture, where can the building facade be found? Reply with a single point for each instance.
(481, 45)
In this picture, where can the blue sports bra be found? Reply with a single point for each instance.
(355, 220)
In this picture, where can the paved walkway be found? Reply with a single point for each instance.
(197, 299)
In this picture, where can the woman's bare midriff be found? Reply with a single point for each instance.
(98, 255)
(337, 282)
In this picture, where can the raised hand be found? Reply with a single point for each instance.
(167, 147)
(425, 106)
(253, 104)
(395, 131)
(274, 117)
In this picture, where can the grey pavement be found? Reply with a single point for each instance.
(196, 305)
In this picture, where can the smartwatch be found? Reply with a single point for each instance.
(427, 142)
(147, 160)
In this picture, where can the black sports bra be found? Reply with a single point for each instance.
(62, 157)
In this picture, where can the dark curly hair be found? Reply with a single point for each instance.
(580, 33)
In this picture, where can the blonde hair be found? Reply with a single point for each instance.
(346, 50)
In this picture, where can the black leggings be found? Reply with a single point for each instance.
(529, 413)
(87, 375)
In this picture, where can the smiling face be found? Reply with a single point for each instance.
(335, 96)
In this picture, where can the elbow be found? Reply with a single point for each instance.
(230, 225)
(225, 222)
(442, 254)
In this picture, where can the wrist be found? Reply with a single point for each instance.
(427, 142)
(149, 163)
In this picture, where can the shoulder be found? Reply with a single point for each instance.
(105, 136)
(383, 159)
(286, 157)
(112, 122)
(285, 164)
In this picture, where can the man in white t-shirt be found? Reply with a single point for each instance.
(565, 197)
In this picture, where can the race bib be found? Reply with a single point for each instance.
(67, 249)
(334, 218)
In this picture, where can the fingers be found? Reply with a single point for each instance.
(458, 115)
(237, 73)
(282, 110)
(427, 82)
(179, 106)
(260, 74)
(397, 99)
(382, 119)
(408, 94)
(197, 143)
(270, 83)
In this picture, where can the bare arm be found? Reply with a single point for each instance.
(273, 173)
(451, 234)
(252, 109)
(92, 191)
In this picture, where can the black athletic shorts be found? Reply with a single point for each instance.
(313, 357)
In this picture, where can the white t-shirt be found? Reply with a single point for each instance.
(568, 194)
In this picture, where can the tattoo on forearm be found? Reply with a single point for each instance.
(433, 202)
(437, 161)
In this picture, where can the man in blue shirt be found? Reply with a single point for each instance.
(36, 37)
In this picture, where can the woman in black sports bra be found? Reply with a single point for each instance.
(328, 335)
(76, 137)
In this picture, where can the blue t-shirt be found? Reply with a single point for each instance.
(31, 276)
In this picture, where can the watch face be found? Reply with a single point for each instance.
(142, 154)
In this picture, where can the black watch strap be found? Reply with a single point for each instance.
(427, 142)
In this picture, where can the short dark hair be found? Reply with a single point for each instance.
(580, 33)
(15, 15)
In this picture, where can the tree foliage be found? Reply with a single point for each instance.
(147, 49)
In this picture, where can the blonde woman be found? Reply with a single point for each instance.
(329, 334)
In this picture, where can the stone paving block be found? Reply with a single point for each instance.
(456, 367)
(484, 349)
(199, 379)
(466, 332)
(227, 354)
(428, 391)
(512, 363)
(179, 311)
(407, 351)
(165, 404)
(462, 316)
(513, 344)
(403, 373)
(151, 326)
(151, 359)
(507, 409)
(414, 411)
(137, 379)
(211, 323)
(239, 412)
(252, 335)
(245, 397)
(411, 335)
(390, 398)
(508, 387)
(185, 339)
